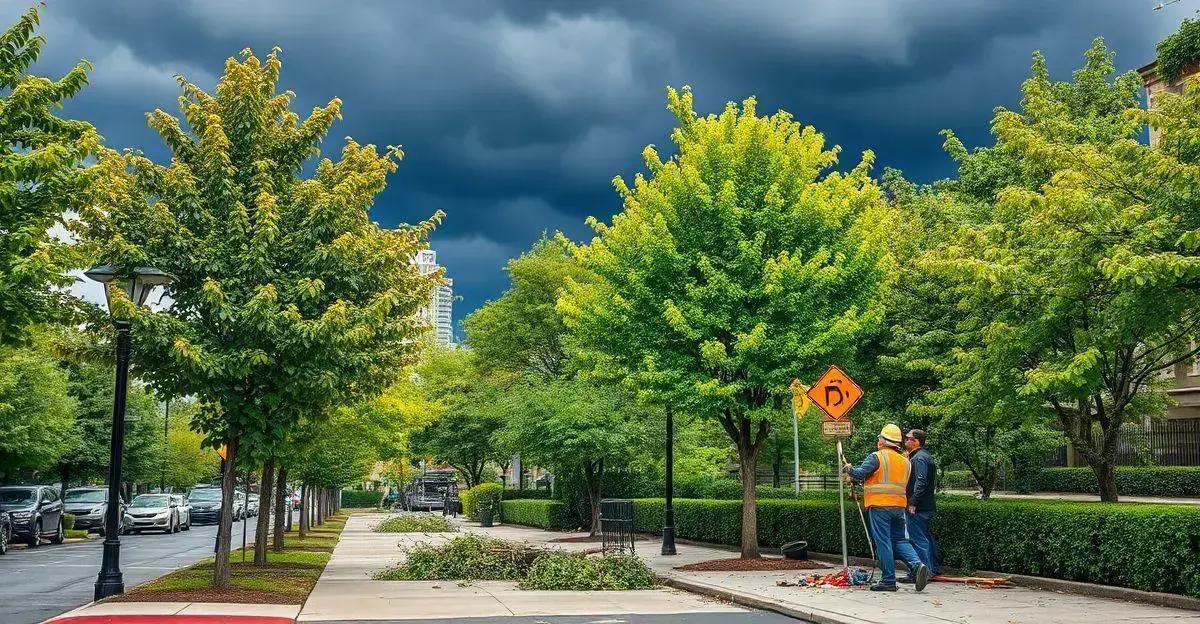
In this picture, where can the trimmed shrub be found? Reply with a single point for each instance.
(489, 492)
(1181, 481)
(1147, 547)
(526, 494)
(576, 572)
(415, 523)
(545, 514)
(68, 521)
(361, 498)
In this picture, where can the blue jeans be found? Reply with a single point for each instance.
(921, 535)
(891, 539)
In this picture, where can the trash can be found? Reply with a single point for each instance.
(485, 512)
(795, 550)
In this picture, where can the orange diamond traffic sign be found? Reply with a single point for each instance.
(835, 393)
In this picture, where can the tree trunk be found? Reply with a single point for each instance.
(775, 468)
(1106, 477)
(64, 473)
(282, 507)
(320, 510)
(593, 474)
(222, 570)
(263, 524)
(305, 502)
(749, 465)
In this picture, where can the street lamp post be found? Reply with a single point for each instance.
(137, 285)
(668, 545)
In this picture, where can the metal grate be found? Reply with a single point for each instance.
(616, 525)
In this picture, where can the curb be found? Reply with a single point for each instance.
(755, 602)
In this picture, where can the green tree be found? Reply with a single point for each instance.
(737, 265)
(188, 461)
(522, 331)
(467, 403)
(36, 409)
(40, 156)
(86, 458)
(1059, 277)
(287, 298)
(573, 425)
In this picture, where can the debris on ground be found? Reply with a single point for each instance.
(764, 564)
(979, 581)
(846, 577)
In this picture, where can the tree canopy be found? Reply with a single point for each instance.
(782, 279)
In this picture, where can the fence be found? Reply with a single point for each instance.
(1163, 443)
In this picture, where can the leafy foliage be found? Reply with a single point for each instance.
(782, 279)
(415, 523)
(467, 557)
(576, 572)
(36, 411)
(484, 494)
(1179, 51)
(40, 159)
(542, 513)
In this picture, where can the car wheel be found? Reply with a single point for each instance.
(187, 526)
(35, 536)
(3, 542)
(60, 536)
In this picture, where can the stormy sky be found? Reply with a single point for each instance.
(515, 116)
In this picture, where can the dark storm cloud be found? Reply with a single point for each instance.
(516, 115)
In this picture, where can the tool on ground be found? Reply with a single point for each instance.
(989, 582)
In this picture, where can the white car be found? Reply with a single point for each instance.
(183, 509)
(155, 512)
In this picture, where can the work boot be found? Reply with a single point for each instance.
(882, 587)
(921, 576)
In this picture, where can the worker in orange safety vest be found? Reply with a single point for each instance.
(884, 475)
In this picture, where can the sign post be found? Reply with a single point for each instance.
(836, 394)
(800, 403)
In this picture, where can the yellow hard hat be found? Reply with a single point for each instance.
(891, 433)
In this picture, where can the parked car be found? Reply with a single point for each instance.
(89, 505)
(206, 504)
(154, 512)
(183, 509)
(36, 513)
(431, 490)
(5, 531)
(296, 499)
(252, 505)
(239, 506)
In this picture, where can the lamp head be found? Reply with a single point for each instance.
(137, 282)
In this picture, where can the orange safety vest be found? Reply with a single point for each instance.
(887, 485)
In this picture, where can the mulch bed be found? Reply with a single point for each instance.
(212, 594)
(766, 564)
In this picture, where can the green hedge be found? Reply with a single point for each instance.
(484, 491)
(1148, 547)
(1131, 480)
(361, 498)
(546, 514)
(526, 493)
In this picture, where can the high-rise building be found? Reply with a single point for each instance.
(438, 312)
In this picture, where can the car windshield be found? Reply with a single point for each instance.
(85, 496)
(150, 501)
(17, 496)
(206, 495)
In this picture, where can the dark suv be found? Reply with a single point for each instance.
(36, 513)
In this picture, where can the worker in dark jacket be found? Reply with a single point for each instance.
(920, 500)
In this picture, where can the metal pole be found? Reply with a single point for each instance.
(842, 507)
(796, 449)
(162, 480)
(668, 545)
(110, 581)
(246, 506)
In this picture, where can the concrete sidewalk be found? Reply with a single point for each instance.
(940, 602)
(346, 591)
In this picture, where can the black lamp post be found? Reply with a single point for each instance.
(137, 284)
(668, 545)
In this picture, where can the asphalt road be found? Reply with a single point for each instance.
(39, 583)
